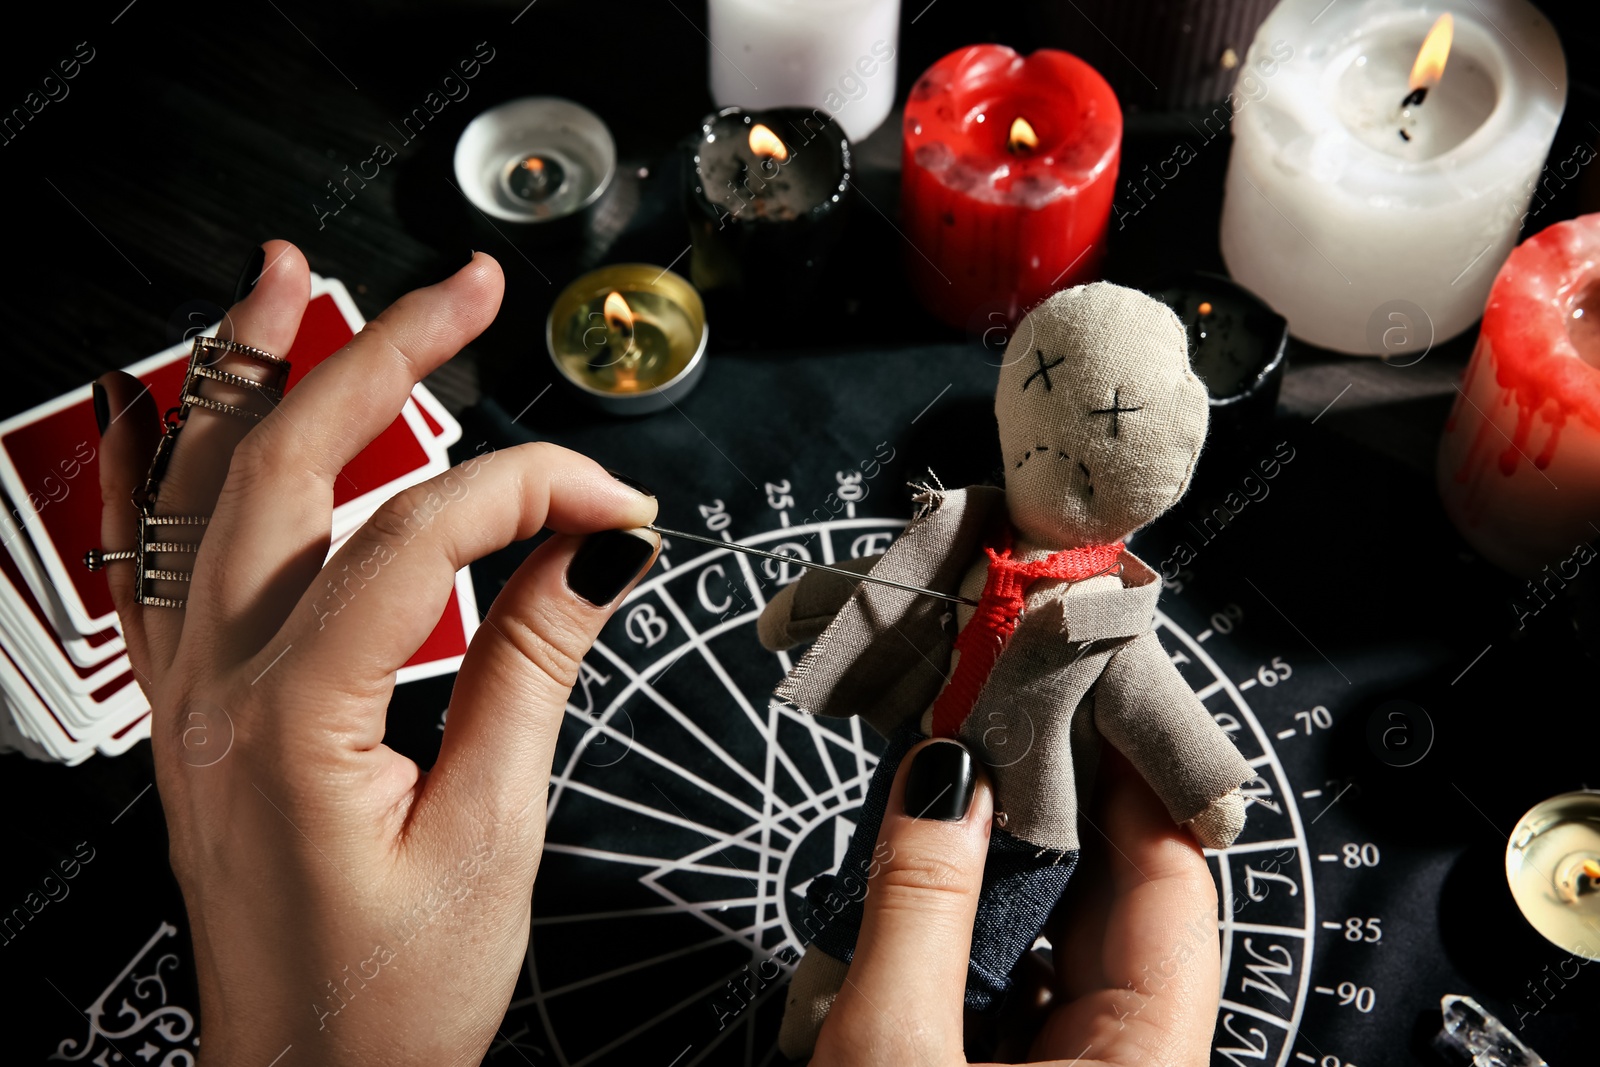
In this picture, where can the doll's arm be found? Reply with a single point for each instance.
(1143, 706)
(801, 610)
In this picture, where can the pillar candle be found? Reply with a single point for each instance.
(1348, 197)
(834, 55)
(1007, 173)
(766, 198)
(1519, 462)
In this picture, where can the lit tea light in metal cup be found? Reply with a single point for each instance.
(630, 338)
(534, 179)
(1553, 866)
(536, 159)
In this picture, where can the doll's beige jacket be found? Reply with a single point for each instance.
(1080, 668)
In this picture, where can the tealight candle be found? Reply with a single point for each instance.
(766, 199)
(631, 338)
(1553, 867)
(536, 159)
(1376, 170)
(1007, 173)
(835, 56)
(1519, 461)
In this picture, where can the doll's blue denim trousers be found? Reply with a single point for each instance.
(1021, 884)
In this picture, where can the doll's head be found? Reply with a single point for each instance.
(1101, 419)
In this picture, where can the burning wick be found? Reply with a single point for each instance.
(768, 146)
(619, 326)
(1022, 139)
(1428, 69)
(534, 178)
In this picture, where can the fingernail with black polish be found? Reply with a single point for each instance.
(940, 783)
(250, 275)
(606, 562)
(102, 408)
(632, 483)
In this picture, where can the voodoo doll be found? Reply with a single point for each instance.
(1101, 422)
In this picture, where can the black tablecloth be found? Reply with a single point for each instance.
(195, 132)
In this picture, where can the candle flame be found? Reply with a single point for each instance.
(1205, 307)
(534, 165)
(619, 316)
(1592, 869)
(766, 144)
(1022, 137)
(1429, 67)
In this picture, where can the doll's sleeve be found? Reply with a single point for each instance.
(1143, 706)
(801, 610)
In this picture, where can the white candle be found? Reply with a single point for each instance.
(1342, 206)
(836, 55)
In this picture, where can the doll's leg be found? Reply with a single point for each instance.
(816, 981)
(1021, 884)
(831, 917)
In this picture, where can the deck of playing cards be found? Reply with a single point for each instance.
(68, 688)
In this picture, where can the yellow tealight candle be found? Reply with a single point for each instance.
(1553, 866)
(630, 337)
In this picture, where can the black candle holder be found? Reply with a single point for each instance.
(765, 223)
(1237, 345)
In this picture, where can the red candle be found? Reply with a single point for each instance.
(1007, 175)
(1519, 462)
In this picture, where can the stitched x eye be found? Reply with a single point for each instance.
(1114, 410)
(1043, 371)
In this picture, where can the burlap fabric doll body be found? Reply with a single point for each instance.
(1101, 422)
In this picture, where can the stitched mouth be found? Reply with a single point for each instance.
(1040, 450)
(1036, 450)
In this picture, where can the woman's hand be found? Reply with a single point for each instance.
(1136, 954)
(345, 906)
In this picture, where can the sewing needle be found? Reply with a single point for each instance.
(734, 546)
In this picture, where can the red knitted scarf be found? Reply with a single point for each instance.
(985, 635)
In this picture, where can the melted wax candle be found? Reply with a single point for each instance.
(1006, 179)
(1389, 160)
(1519, 463)
(766, 200)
